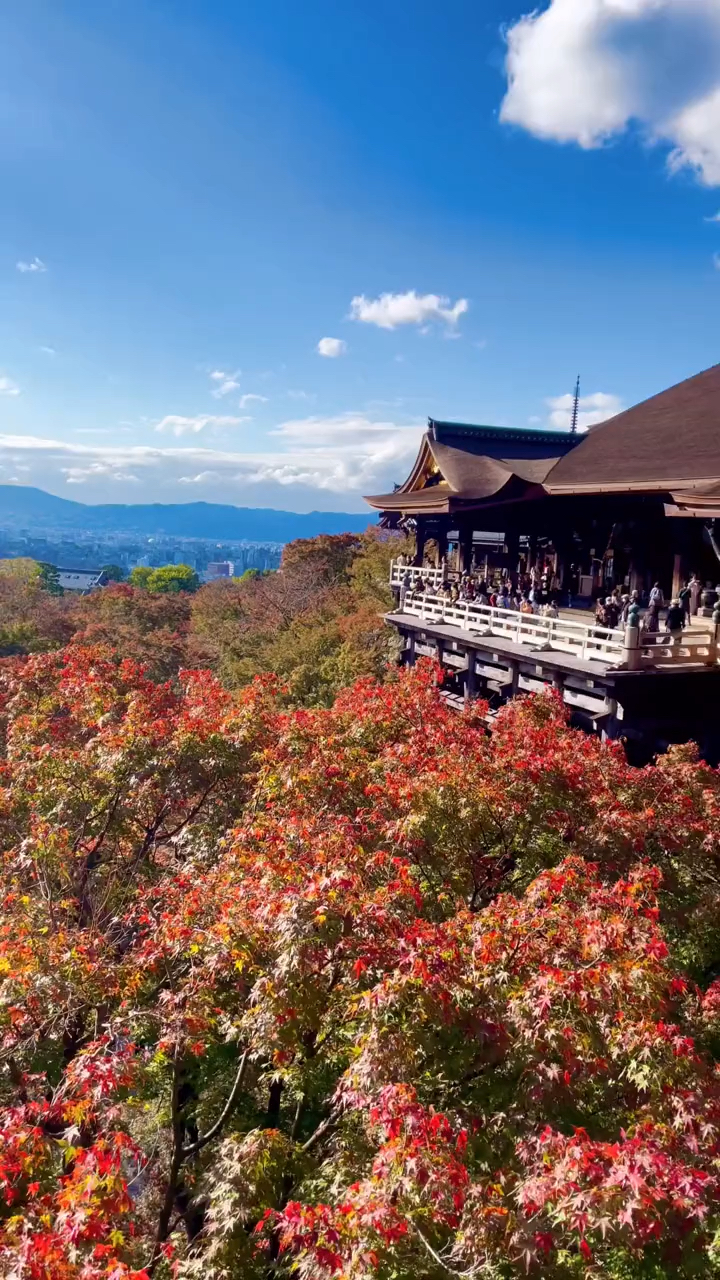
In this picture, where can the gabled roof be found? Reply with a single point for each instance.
(459, 465)
(669, 442)
(668, 445)
(80, 579)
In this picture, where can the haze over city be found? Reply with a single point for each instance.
(250, 248)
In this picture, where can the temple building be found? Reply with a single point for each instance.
(630, 502)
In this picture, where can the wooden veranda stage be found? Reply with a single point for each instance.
(633, 502)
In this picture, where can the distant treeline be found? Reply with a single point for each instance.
(316, 622)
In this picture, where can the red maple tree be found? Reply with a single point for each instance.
(358, 992)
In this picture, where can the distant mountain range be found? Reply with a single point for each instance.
(23, 507)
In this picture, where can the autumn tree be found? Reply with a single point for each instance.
(317, 622)
(31, 619)
(349, 992)
(149, 627)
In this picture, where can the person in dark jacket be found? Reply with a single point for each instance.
(684, 597)
(675, 620)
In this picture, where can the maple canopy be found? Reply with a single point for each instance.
(358, 992)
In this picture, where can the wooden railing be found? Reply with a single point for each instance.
(615, 647)
(559, 634)
(692, 648)
(399, 574)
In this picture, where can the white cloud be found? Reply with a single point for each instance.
(180, 426)
(249, 397)
(8, 387)
(331, 347)
(49, 351)
(202, 477)
(328, 462)
(34, 266)
(592, 409)
(81, 475)
(715, 217)
(584, 71)
(393, 309)
(226, 383)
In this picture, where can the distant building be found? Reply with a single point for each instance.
(81, 581)
(220, 569)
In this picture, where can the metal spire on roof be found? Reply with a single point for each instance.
(576, 406)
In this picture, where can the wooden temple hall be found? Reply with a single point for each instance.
(632, 502)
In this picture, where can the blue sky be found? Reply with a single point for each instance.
(212, 187)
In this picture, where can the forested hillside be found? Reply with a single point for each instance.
(316, 622)
(303, 973)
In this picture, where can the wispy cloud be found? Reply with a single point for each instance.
(98, 470)
(8, 387)
(180, 426)
(249, 397)
(49, 351)
(226, 383)
(33, 267)
(331, 348)
(391, 310)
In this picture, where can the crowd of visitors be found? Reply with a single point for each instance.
(539, 592)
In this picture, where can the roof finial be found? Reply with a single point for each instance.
(576, 406)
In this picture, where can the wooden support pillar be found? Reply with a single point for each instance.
(678, 575)
(410, 650)
(442, 542)
(419, 542)
(512, 548)
(470, 678)
(466, 549)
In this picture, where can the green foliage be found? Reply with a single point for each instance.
(169, 578)
(140, 576)
(49, 579)
(114, 572)
(173, 578)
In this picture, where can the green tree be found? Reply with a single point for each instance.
(114, 572)
(173, 577)
(140, 576)
(49, 579)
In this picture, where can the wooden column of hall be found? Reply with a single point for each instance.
(419, 542)
(466, 548)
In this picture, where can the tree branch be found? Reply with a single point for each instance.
(176, 1159)
(459, 1275)
(194, 1147)
(319, 1133)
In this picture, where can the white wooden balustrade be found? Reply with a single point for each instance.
(559, 634)
(617, 647)
(399, 575)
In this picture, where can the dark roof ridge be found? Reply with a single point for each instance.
(439, 429)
